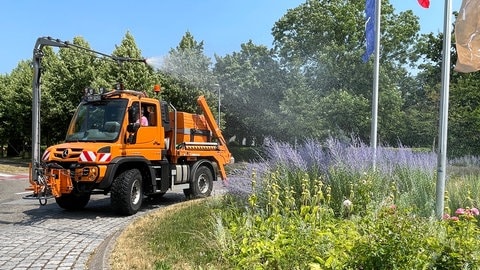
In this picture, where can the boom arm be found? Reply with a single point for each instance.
(37, 70)
(210, 119)
(37, 58)
(224, 153)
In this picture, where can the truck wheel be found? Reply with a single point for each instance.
(73, 201)
(202, 184)
(126, 194)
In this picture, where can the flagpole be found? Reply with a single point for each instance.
(443, 122)
(376, 72)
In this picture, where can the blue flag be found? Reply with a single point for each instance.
(369, 29)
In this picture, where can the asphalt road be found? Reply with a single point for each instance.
(47, 237)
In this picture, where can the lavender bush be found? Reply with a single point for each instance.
(347, 170)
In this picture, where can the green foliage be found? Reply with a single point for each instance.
(297, 113)
(464, 116)
(188, 75)
(462, 190)
(253, 84)
(133, 75)
(312, 84)
(319, 24)
(323, 41)
(64, 76)
(288, 230)
(245, 153)
(15, 116)
(352, 118)
(294, 227)
(387, 232)
(299, 215)
(185, 233)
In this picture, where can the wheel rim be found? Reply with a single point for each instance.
(202, 183)
(135, 192)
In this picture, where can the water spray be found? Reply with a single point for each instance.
(156, 62)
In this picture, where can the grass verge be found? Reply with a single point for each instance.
(4, 168)
(176, 237)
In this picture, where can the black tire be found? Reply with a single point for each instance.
(188, 194)
(126, 193)
(73, 201)
(201, 185)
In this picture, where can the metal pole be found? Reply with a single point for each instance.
(376, 72)
(36, 95)
(443, 122)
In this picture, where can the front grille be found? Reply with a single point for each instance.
(73, 153)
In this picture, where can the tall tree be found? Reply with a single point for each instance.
(3, 108)
(337, 28)
(189, 74)
(253, 84)
(65, 76)
(464, 116)
(133, 75)
(324, 41)
(15, 109)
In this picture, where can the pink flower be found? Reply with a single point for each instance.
(474, 211)
(446, 216)
(460, 211)
(454, 218)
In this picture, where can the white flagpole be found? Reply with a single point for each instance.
(376, 72)
(443, 123)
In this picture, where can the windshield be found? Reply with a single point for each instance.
(97, 121)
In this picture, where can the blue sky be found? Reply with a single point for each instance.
(158, 25)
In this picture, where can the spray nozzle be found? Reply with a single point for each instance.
(127, 59)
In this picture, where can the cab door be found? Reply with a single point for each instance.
(149, 138)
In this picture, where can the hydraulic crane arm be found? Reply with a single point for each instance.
(210, 119)
(223, 156)
(37, 70)
(37, 59)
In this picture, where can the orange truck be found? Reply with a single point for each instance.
(127, 144)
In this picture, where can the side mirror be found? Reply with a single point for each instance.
(133, 127)
(133, 113)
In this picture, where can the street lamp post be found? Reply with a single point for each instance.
(219, 104)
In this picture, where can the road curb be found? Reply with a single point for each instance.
(99, 259)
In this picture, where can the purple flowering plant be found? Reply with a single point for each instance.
(347, 169)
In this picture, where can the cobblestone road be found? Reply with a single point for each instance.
(48, 237)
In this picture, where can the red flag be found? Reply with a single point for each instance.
(424, 3)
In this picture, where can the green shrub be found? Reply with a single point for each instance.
(463, 190)
(291, 231)
(245, 153)
(391, 239)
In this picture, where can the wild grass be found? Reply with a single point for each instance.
(177, 237)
